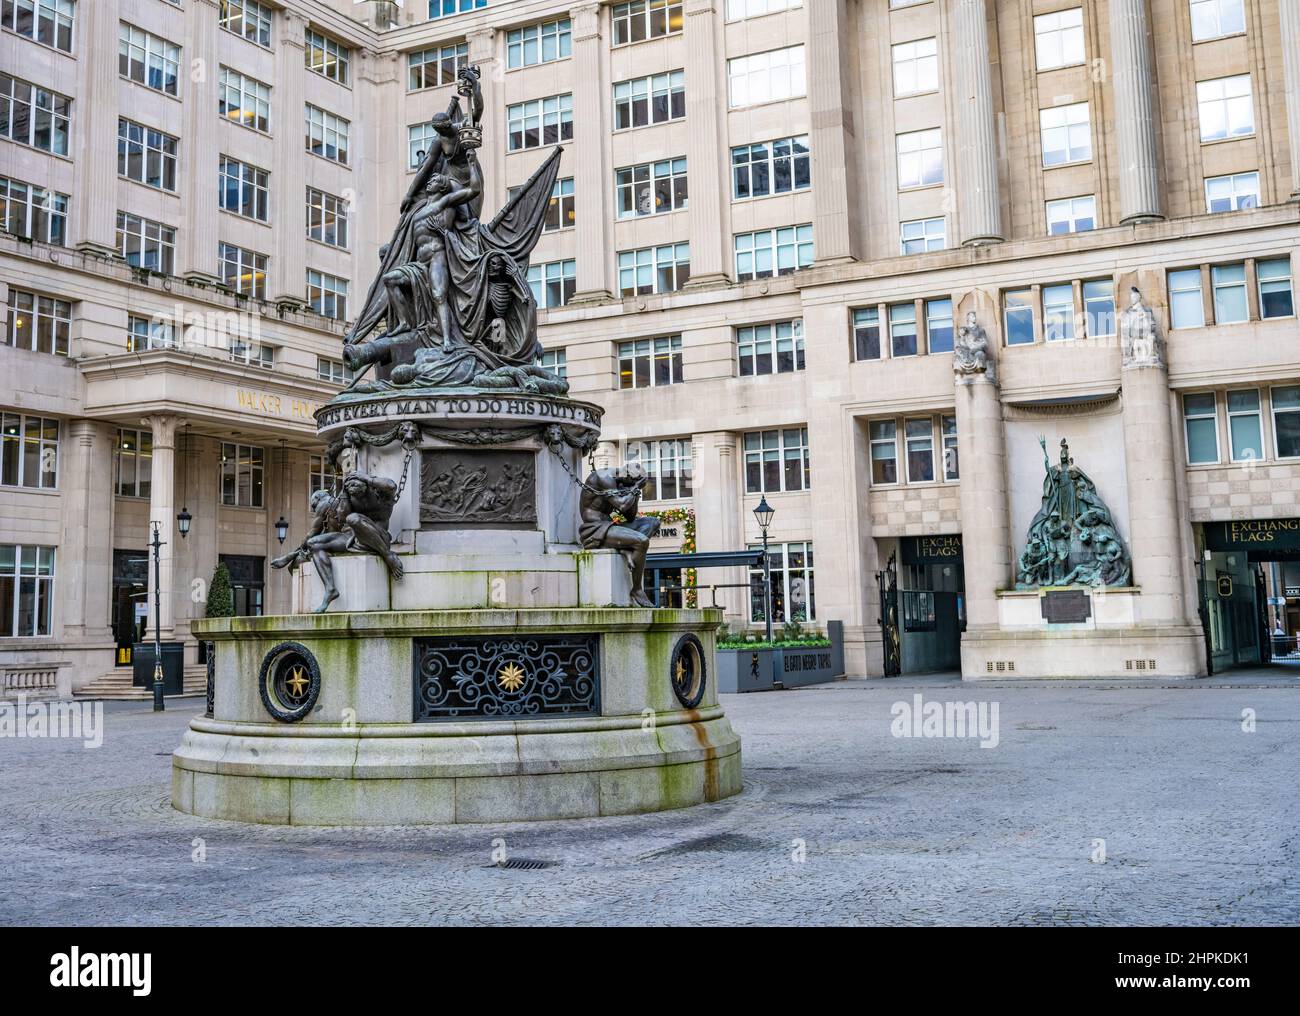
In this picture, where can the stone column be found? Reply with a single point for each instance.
(94, 128)
(592, 176)
(978, 196)
(716, 489)
(85, 565)
(162, 508)
(706, 111)
(289, 259)
(838, 207)
(1289, 17)
(1136, 118)
(200, 154)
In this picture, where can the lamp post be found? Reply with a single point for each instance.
(157, 546)
(763, 514)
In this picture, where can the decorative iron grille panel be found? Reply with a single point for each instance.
(506, 676)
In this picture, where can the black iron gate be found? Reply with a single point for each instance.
(889, 637)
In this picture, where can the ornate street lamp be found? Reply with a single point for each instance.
(763, 514)
(281, 528)
(282, 524)
(157, 546)
(184, 518)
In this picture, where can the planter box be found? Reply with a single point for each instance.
(764, 669)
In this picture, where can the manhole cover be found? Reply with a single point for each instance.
(522, 864)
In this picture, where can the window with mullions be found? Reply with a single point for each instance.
(1066, 134)
(766, 77)
(539, 44)
(938, 325)
(659, 98)
(650, 363)
(247, 18)
(1071, 215)
(1226, 108)
(432, 68)
(884, 451)
(1231, 193)
(332, 371)
(920, 158)
(771, 167)
(556, 361)
(1099, 307)
(777, 460)
(921, 235)
(327, 295)
(241, 475)
(919, 435)
(1229, 285)
(319, 475)
(1058, 312)
(668, 466)
(39, 323)
(327, 135)
(1245, 433)
(791, 571)
(26, 590)
(902, 329)
(866, 333)
(1273, 277)
(244, 189)
(147, 59)
(1018, 316)
(775, 348)
(327, 218)
(1058, 39)
(663, 269)
(561, 209)
(446, 8)
(916, 67)
(769, 252)
(33, 212)
(326, 57)
(1201, 425)
(1286, 421)
(646, 19)
(242, 271)
(540, 122)
(253, 354)
(132, 463)
(146, 156)
(651, 188)
(948, 426)
(738, 10)
(1186, 306)
(663, 587)
(48, 22)
(1214, 19)
(244, 100)
(29, 451)
(420, 139)
(32, 116)
(144, 333)
(553, 283)
(146, 244)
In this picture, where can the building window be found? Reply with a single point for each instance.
(245, 190)
(771, 167)
(146, 156)
(326, 57)
(244, 100)
(327, 218)
(668, 466)
(646, 19)
(26, 590)
(902, 329)
(247, 18)
(1244, 432)
(1213, 19)
(431, 68)
(561, 212)
(791, 571)
(420, 138)
(242, 271)
(1058, 39)
(1226, 108)
(153, 62)
(651, 188)
(446, 8)
(319, 475)
(253, 354)
(39, 323)
(1200, 421)
(916, 67)
(659, 98)
(921, 235)
(1071, 215)
(241, 475)
(1066, 134)
(29, 451)
(948, 424)
(146, 244)
(739, 10)
(920, 158)
(884, 452)
(35, 117)
(650, 363)
(540, 122)
(919, 435)
(327, 135)
(770, 349)
(1229, 285)
(769, 252)
(327, 295)
(539, 44)
(143, 334)
(1186, 307)
(33, 212)
(1231, 193)
(1058, 312)
(866, 333)
(556, 361)
(332, 371)
(766, 77)
(938, 325)
(1274, 279)
(1286, 420)
(133, 463)
(48, 22)
(1018, 313)
(649, 270)
(777, 460)
(553, 283)
(1099, 307)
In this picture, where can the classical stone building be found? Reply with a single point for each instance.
(772, 219)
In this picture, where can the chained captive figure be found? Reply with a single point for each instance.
(609, 491)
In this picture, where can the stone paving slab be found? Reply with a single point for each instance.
(1200, 821)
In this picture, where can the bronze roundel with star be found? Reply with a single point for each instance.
(289, 682)
(687, 671)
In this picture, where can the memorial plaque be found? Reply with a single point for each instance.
(1066, 606)
(488, 487)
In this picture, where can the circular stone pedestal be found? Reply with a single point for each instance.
(413, 717)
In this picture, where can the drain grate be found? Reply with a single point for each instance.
(522, 864)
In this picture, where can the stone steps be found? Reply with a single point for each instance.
(116, 686)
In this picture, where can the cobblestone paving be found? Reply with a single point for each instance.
(1200, 821)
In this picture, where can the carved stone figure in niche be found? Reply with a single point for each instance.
(1139, 335)
(618, 492)
(970, 352)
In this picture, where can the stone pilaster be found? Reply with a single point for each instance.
(199, 152)
(1136, 117)
(706, 111)
(592, 176)
(162, 508)
(379, 172)
(986, 526)
(94, 128)
(288, 282)
(1289, 18)
(716, 487)
(483, 55)
(838, 207)
(978, 196)
(85, 565)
